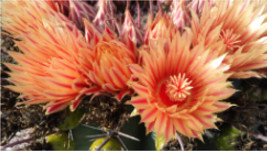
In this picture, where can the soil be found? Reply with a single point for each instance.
(105, 111)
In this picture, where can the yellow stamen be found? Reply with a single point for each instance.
(178, 87)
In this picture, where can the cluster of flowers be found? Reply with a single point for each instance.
(178, 64)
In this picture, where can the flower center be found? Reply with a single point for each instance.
(230, 39)
(104, 49)
(178, 87)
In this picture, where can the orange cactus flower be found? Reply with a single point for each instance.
(110, 69)
(179, 88)
(48, 70)
(59, 6)
(240, 27)
(162, 27)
